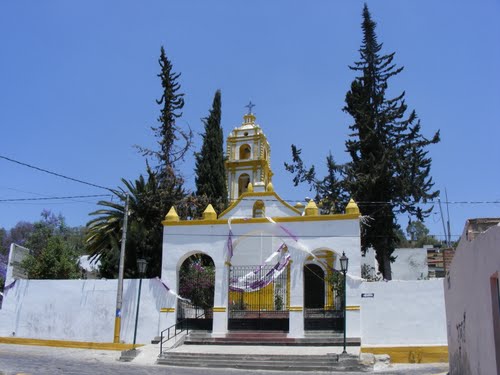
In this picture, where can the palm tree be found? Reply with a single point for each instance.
(149, 201)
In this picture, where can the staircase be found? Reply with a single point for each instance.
(328, 362)
(312, 338)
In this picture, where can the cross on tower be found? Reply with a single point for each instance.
(250, 105)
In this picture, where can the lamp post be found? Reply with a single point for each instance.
(141, 266)
(344, 263)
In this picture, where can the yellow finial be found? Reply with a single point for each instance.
(352, 208)
(311, 209)
(299, 205)
(172, 215)
(209, 213)
(270, 187)
(250, 187)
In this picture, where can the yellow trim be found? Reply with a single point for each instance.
(116, 333)
(245, 138)
(411, 354)
(68, 344)
(296, 308)
(353, 308)
(219, 309)
(234, 164)
(285, 219)
(167, 309)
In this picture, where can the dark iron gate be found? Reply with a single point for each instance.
(258, 300)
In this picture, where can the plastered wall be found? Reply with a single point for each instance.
(403, 313)
(81, 310)
(470, 311)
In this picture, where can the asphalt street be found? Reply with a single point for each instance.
(31, 360)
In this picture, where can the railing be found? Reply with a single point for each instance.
(178, 328)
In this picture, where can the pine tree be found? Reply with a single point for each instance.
(173, 141)
(389, 171)
(210, 172)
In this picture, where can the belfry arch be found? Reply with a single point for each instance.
(245, 152)
(243, 182)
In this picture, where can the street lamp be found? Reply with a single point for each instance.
(344, 263)
(142, 264)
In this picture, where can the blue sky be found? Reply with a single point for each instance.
(78, 87)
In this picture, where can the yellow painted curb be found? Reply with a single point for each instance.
(411, 354)
(68, 344)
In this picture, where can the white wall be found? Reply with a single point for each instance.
(403, 313)
(410, 263)
(469, 305)
(81, 310)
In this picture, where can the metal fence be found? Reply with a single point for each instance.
(259, 298)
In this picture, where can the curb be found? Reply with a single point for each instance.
(68, 344)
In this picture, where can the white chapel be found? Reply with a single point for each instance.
(274, 262)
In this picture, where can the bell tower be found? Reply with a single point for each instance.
(248, 165)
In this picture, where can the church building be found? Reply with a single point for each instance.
(276, 264)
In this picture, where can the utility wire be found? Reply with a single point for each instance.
(52, 198)
(235, 199)
(54, 173)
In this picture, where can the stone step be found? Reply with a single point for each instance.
(330, 362)
(255, 338)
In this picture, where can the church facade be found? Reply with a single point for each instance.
(276, 265)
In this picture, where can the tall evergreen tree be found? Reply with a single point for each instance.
(149, 199)
(168, 132)
(210, 172)
(389, 172)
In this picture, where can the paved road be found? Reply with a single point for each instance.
(30, 360)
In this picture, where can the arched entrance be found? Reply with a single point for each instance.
(323, 289)
(314, 287)
(197, 284)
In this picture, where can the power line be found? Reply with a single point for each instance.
(54, 173)
(53, 198)
(386, 202)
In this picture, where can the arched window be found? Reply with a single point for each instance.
(243, 182)
(259, 210)
(245, 152)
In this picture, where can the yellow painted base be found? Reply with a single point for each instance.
(68, 344)
(411, 354)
